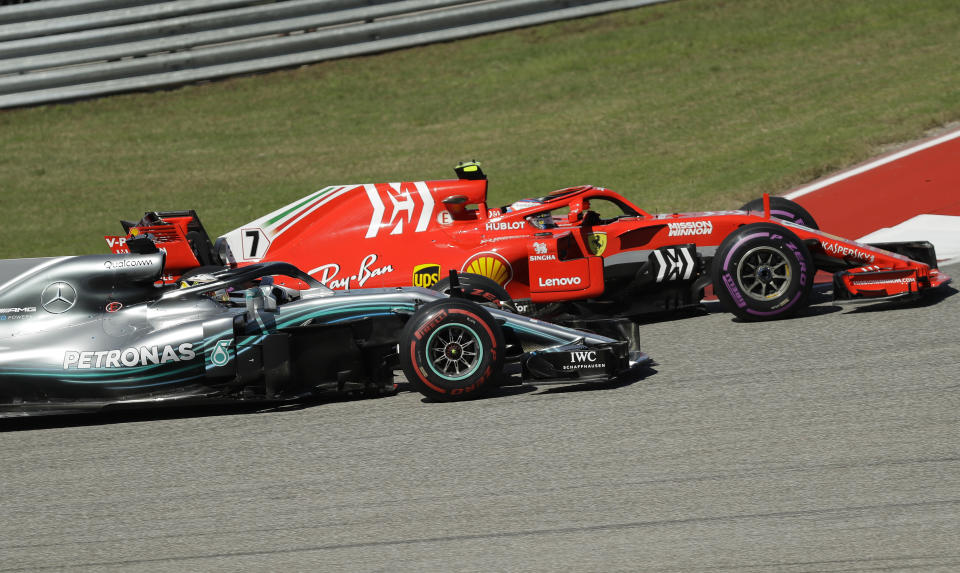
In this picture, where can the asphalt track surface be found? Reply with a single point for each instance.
(823, 443)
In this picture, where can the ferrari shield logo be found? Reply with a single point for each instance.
(597, 243)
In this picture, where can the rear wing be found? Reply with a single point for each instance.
(179, 234)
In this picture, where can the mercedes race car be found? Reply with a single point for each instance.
(86, 332)
(577, 252)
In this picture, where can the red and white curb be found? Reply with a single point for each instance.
(908, 195)
(941, 230)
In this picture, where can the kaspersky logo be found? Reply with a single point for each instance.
(58, 297)
(426, 275)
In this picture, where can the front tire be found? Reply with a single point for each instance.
(785, 210)
(452, 349)
(763, 272)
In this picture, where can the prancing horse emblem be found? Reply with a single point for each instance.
(597, 243)
(58, 297)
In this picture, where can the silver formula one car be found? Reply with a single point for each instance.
(86, 332)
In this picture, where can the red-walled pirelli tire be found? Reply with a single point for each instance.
(452, 349)
(763, 272)
(784, 209)
(480, 289)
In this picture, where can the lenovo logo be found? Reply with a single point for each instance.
(562, 281)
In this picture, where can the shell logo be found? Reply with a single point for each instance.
(490, 265)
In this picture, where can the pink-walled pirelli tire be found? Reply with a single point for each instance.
(763, 271)
(452, 349)
(784, 209)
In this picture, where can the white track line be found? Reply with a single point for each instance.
(941, 230)
(872, 165)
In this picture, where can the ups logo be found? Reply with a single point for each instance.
(426, 275)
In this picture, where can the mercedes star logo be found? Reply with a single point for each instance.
(58, 297)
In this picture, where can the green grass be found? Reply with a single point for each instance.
(690, 105)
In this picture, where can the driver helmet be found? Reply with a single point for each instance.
(202, 279)
(542, 221)
(197, 279)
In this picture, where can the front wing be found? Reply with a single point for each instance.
(578, 362)
(896, 271)
(562, 355)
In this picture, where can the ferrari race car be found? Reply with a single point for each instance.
(577, 252)
(86, 332)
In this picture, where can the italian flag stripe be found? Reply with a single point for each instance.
(295, 206)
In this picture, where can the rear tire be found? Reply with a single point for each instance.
(784, 209)
(452, 349)
(763, 272)
(479, 289)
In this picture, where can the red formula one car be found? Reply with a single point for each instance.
(578, 252)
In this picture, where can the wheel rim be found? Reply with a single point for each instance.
(764, 273)
(454, 351)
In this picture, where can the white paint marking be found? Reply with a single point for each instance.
(872, 165)
(689, 271)
(661, 264)
(941, 230)
(377, 218)
(427, 213)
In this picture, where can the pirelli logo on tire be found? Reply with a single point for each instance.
(426, 275)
